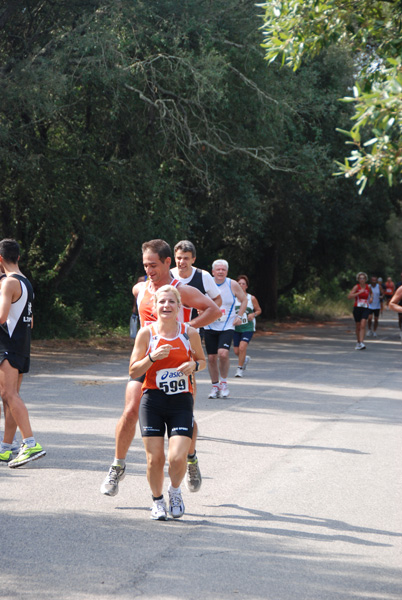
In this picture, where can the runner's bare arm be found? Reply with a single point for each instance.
(140, 361)
(353, 292)
(257, 309)
(193, 298)
(10, 292)
(394, 302)
(242, 297)
(189, 367)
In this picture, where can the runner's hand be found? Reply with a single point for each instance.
(161, 352)
(187, 367)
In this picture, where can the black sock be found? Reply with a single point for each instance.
(158, 498)
(191, 456)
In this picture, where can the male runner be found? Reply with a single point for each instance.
(157, 258)
(16, 299)
(219, 335)
(374, 307)
(184, 256)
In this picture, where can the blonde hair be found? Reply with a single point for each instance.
(168, 288)
(361, 273)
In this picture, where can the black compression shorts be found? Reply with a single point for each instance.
(360, 312)
(160, 411)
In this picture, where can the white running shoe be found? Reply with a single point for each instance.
(246, 361)
(362, 346)
(375, 334)
(224, 390)
(369, 333)
(357, 347)
(176, 505)
(215, 392)
(239, 372)
(159, 510)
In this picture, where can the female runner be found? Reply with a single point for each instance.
(244, 332)
(168, 352)
(363, 295)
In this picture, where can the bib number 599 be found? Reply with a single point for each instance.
(173, 386)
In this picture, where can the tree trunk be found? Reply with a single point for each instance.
(267, 286)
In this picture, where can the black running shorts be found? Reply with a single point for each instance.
(160, 411)
(360, 312)
(218, 339)
(21, 363)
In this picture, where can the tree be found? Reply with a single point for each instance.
(295, 29)
(125, 121)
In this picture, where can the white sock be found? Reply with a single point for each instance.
(173, 489)
(30, 442)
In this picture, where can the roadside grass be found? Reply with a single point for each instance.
(314, 305)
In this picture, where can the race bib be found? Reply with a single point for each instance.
(244, 318)
(172, 381)
(362, 303)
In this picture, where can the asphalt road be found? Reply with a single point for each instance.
(302, 482)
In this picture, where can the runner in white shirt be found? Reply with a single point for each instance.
(374, 306)
(185, 256)
(219, 334)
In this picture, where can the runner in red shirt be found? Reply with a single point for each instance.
(362, 295)
(388, 291)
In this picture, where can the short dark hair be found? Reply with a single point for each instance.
(160, 247)
(185, 246)
(10, 250)
(245, 279)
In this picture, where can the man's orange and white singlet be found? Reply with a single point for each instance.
(146, 306)
(163, 374)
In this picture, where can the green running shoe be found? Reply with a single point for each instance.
(26, 455)
(6, 456)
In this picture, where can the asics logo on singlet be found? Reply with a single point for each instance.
(168, 375)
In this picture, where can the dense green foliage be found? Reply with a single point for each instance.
(372, 30)
(126, 121)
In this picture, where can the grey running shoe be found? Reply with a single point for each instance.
(193, 475)
(176, 505)
(362, 346)
(246, 361)
(159, 510)
(239, 372)
(357, 347)
(26, 455)
(110, 486)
